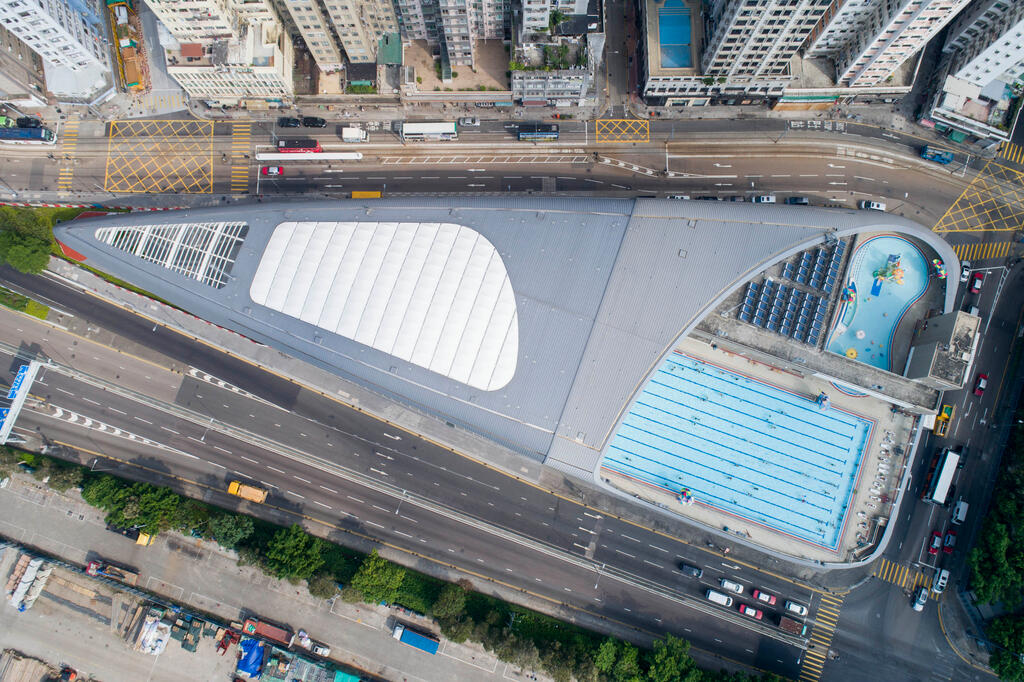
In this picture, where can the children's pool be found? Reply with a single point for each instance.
(863, 328)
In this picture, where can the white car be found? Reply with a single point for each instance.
(321, 650)
(965, 271)
(730, 585)
(469, 121)
(764, 199)
(798, 609)
(872, 205)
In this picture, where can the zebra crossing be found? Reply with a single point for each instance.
(69, 140)
(903, 576)
(977, 252)
(1012, 152)
(241, 139)
(826, 618)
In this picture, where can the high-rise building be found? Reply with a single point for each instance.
(192, 20)
(66, 36)
(308, 18)
(359, 25)
(21, 72)
(980, 71)
(455, 25)
(868, 40)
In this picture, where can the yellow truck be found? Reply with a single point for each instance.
(366, 194)
(943, 420)
(247, 492)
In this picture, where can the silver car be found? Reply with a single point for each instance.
(920, 598)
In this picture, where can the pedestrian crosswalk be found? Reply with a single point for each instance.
(826, 618)
(68, 143)
(241, 139)
(903, 576)
(978, 252)
(1012, 152)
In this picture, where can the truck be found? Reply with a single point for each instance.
(420, 640)
(353, 135)
(276, 634)
(943, 420)
(103, 569)
(937, 155)
(792, 626)
(247, 492)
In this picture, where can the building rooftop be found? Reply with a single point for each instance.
(603, 289)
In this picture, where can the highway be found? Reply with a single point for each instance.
(343, 470)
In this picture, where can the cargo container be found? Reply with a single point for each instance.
(419, 640)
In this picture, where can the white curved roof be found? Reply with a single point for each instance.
(434, 294)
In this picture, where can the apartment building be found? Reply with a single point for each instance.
(253, 70)
(359, 25)
(67, 36)
(868, 40)
(748, 46)
(309, 19)
(22, 81)
(455, 25)
(193, 20)
(981, 71)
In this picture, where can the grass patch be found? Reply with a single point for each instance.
(23, 304)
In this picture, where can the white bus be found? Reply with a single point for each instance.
(940, 478)
(308, 158)
(440, 131)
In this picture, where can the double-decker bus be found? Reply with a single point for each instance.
(940, 477)
(298, 146)
(441, 131)
(538, 131)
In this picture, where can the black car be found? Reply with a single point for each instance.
(287, 122)
(29, 122)
(797, 201)
(692, 571)
(313, 122)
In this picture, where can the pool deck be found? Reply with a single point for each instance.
(879, 471)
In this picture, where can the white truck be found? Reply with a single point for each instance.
(353, 135)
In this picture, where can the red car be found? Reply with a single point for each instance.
(768, 599)
(980, 384)
(936, 542)
(272, 170)
(950, 542)
(756, 614)
(977, 279)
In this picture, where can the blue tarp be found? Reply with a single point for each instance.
(419, 641)
(251, 661)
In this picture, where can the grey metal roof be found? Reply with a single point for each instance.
(603, 287)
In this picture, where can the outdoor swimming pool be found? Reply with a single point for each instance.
(862, 329)
(744, 447)
(674, 35)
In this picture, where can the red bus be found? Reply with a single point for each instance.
(299, 146)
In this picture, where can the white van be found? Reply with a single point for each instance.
(872, 205)
(764, 199)
(719, 598)
(731, 586)
(959, 512)
(941, 580)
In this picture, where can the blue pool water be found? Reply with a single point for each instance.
(866, 326)
(674, 35)
(744, 447)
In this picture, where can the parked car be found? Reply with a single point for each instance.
(768, 599)
(321, 650)
(798, 609)
(980, 384)
(936, 543)
(737, 198)
(977, 279)
(872, 205)
(678, 196)
(29, 122)
(965, 271)
(313, 122)
(797, 201)
(707, 198)
(756, 614)
(949, 542)
(469, 121)
(764, 199)
(272, 170)
(288, 122)
(692, 571)
(920, 598)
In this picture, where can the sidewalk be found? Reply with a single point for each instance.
(207, 578)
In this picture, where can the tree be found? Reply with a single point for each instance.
(191, 515)
(378, 579)
(28, 222)
(459, 630)
(23, 252)
(451, 603)
(294, 554)
(64, 476)
(627, 666)
(606, 655)
(1008, 633)
(229, 529)
(670, 661)
(322, 586)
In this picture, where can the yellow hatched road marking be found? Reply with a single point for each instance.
(1012, 152)
(623, 130)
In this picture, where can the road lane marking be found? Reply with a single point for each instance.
(275, 469)
(328, 489)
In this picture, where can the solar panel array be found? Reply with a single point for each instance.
(788, 310)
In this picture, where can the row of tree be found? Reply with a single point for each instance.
(26, 237)
(525, 638)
